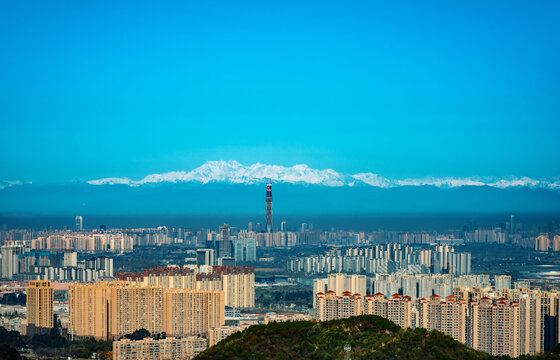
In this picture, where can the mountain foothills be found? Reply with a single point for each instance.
(368, 337)
(297, 189)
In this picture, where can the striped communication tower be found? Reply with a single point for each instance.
(269, 206)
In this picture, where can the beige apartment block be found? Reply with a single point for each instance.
(40, 303)
(447, 315)
(193, 312)
(397, 309)
(494, 327)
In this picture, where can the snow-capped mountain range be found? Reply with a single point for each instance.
(237, 173)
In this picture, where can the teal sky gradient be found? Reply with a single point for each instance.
(92, 89)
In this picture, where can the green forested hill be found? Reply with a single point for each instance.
(370, 337)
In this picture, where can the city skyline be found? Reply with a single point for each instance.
(318, 179)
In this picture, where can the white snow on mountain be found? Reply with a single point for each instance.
(237, 173)
(373, 180)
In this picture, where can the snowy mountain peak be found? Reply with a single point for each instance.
(236, 173)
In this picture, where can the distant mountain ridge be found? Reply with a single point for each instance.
(237, 173)
(230, 187)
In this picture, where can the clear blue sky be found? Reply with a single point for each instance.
(91, 89)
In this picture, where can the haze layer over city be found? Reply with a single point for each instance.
(335, 180)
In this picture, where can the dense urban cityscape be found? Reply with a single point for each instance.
(215, 282)
(323, 180)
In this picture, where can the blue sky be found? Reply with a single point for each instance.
(404, 89)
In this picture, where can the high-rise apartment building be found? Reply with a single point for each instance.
(556, 243)
(108, 310)
(447, 315)
(537, 321)
(193, 312)
(10, 253)
(529, 323)
(502, 282)
(340, 283)
(550, 320)
(239, 250)
(494, 327)
(245, 250)
(319, 286)
(350, 305)
(79, 223)
(250, 250)
(40, 304)
(441, 259)
(238, 283)
(332, 307)
(397, 308)
(542, 243)
(459, 263)
(205, 257)
(225, 246)
(70, 259)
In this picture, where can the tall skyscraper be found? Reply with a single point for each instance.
(40, 303)
(205, 257)
(512, 224)
(225, 245)
(79, 223)
(239, 250)
(202, 237)
(283, 226)
(250, 226)
(251, 250)
(268, 207)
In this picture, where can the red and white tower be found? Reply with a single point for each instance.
(269, 206)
